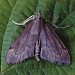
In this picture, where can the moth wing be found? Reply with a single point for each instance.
(22, 48)
(52, 49)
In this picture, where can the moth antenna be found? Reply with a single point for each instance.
(60, 27)
(25, 21)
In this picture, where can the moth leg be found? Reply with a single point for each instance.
(25, 21)
(37, 50)
(60, 27)
(57, 26)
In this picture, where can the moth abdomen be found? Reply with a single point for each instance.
(37, 50)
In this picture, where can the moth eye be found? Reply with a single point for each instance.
(40, 17)
(56, 62)
(10, 47)
(34, 19)
(63, 63)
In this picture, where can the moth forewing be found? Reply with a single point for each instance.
(24, 46)
(52, 49)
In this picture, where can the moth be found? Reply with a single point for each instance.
(40, 41)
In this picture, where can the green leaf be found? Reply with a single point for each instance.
(4, 17)
(61, 12)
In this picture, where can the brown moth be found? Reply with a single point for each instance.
(40, 41)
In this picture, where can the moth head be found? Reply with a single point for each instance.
(39, 15)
